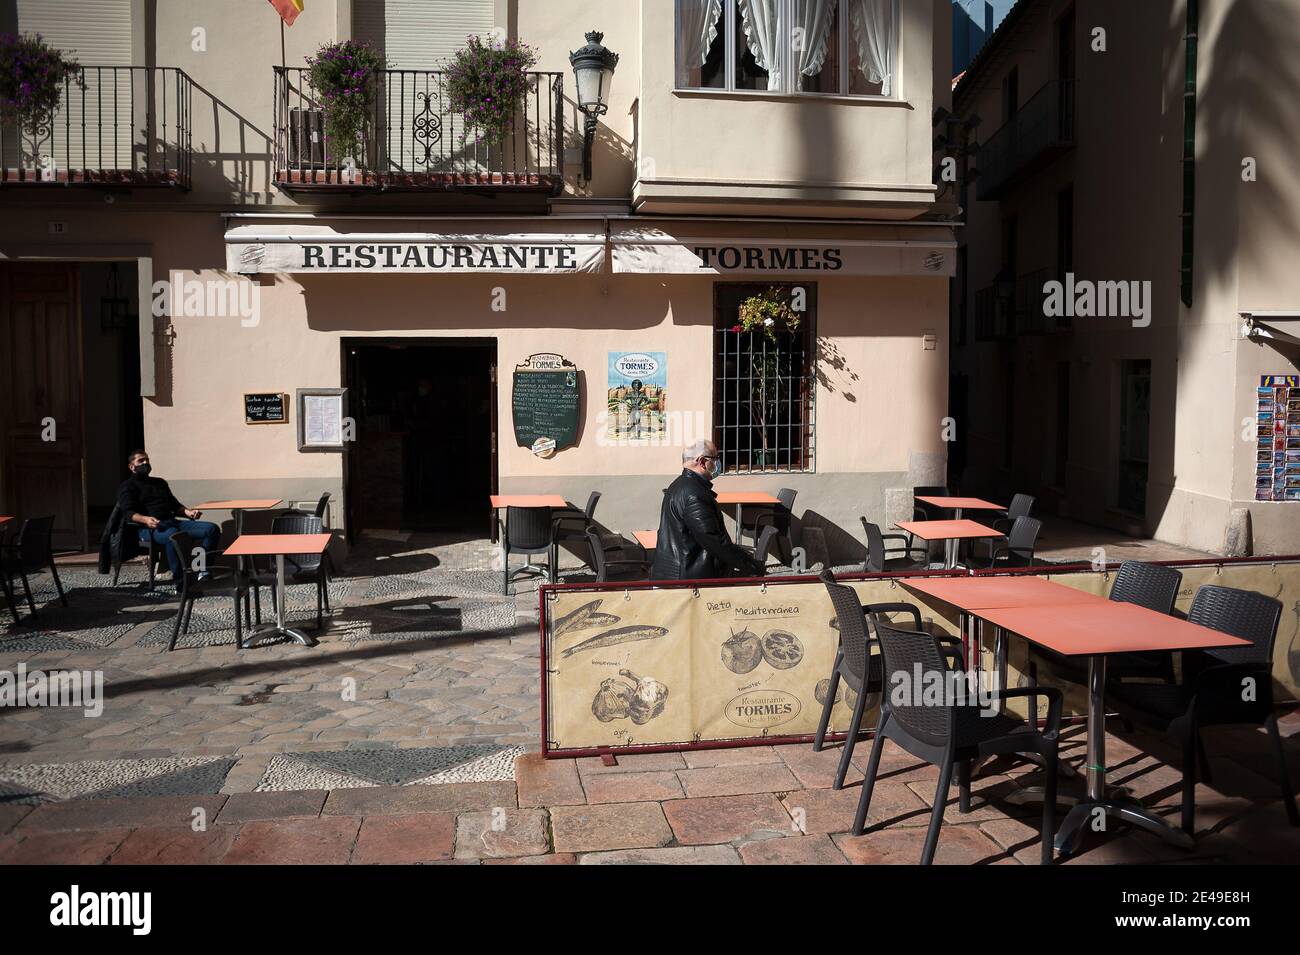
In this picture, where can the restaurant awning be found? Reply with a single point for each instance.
(770, 249)
(307, 247)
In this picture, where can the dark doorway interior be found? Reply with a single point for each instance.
(424, 455)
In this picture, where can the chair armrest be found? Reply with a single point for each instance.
(895, 608)
(1055, 698)
(1223, 680)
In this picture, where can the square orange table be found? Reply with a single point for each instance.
(949, 532)
(528, 500)
(1094, 630)
(959, 504)
(278, 546)
(989, 593)
(647, 539)
(238, 506)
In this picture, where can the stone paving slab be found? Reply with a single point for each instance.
(597, 828)
(397, 800)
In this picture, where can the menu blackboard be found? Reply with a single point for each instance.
(545, 404)
(269, 408)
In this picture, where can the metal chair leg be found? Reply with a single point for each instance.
(176, 627)
(1284, 777)
(936, 814)
(27, 589)
(189, 614)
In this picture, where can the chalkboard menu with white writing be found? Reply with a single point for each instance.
(265, 409)
(545, 403)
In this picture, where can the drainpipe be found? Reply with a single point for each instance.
(1189, 152)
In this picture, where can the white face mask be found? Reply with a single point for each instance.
(715, 467)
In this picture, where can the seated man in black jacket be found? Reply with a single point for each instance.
(693, 542)
(149, 502)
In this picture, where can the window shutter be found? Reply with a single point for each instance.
(420, 34)
(96, 32)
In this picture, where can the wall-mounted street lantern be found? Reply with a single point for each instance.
(593, 68)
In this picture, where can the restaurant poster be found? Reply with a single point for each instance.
(638, 394)
(1277, 447)
(686, 665)
(545, 400)
(681, 666)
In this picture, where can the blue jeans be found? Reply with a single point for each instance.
(205, 534)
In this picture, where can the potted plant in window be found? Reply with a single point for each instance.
(486, 82)
(33, 75)
(345, 77)
(769, 314)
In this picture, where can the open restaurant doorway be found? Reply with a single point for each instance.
(424, 459)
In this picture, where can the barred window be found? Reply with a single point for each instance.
(763, 385)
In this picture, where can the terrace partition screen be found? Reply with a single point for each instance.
(763, 384)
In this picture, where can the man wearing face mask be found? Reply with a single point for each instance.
(693, 542)
(149, 502)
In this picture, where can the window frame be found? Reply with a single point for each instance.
(730, 12)
(808, 426)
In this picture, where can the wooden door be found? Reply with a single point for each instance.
(40, 359)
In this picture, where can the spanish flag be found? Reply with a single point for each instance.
(288, 9)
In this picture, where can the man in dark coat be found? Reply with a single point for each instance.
(149, 502)
(693, 543)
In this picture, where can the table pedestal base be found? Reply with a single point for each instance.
(1080, 821)
(293, 633)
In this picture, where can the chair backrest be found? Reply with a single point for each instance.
(928, 511)
(875, 562)
(1241, 613)
(786, 496)
(1023, 536)
(852, 623)
(1147, 585)
(34, 550)
(597, 547)
(913, 652)
(766, 540)
(184, 546)
(299, 524)
(1022, 505)
(322, 506)
(592, 500)
(528, 529)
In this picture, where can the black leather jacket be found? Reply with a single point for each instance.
(693, 542)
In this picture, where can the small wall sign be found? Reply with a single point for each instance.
(545, 401)
(266, 408)
(320, 419)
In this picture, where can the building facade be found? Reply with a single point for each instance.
(1125, 302)
(192, 264)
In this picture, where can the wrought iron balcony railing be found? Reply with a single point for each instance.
(412, 139)
(115, 126)
(1041, 129)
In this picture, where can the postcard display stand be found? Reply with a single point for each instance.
(1277, 460)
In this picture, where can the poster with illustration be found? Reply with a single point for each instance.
(1277, 438)
(638, 394)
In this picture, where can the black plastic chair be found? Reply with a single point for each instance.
(1136, 582)
(571, 525)
(1022, 505)
(764, 548)
(955, 732)
(878, 560)
(220, 582)
(32, 553)
(1212, 688)
(615, 558)
(154, 554)
(527, 531)
(1018, 550)
(306, 568)
(777, 515)
(860, 669)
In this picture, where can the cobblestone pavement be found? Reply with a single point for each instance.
(759, 805)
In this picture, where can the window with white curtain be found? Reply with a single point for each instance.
(839, 47)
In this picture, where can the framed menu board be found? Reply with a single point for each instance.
(1277, 446)
(320, 418)
(266, 408)
(544, 402)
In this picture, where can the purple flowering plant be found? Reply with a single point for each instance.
(345, 76)
(32, 77)
(486, 81)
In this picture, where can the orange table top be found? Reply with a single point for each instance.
(965, 503)
(262, 545)
(647, 539)
(528, 500)
(5, 518)
(947, 530)
(1106, 626)
(251, 504)
(986, 593)
(746, 497)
